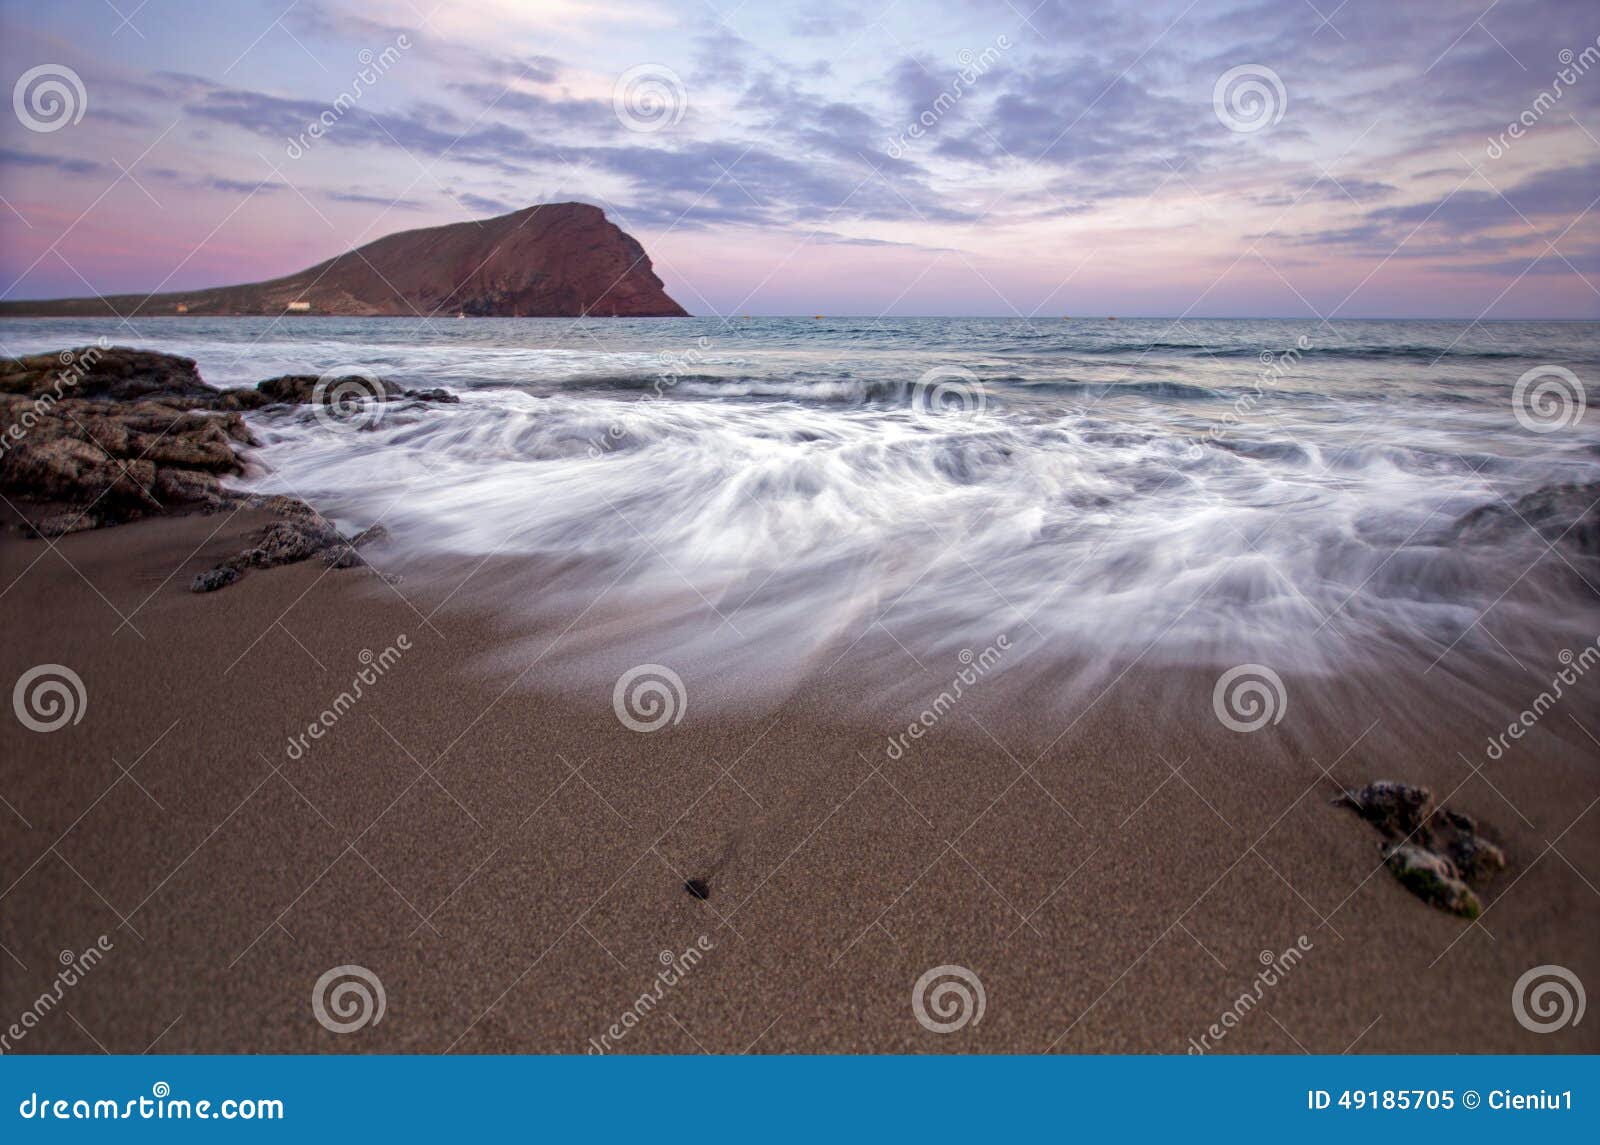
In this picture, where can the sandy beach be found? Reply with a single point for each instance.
(483, 834)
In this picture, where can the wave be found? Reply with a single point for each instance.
(1268, 352)
(845, 388)
(777, 533)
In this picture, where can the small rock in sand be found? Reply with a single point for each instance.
(1396, 809)
(1434, 853)
(1432, 878)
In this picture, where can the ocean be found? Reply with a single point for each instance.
(1194, 491)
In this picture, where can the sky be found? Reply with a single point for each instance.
(1291, 158)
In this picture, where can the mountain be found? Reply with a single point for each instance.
(558, 260)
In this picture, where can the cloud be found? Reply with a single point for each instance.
(65, 164)
(483, 204)
(374, 200)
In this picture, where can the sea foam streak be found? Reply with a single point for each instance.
(766, 493)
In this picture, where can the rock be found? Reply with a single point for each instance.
(1565, 513)
(300, 535)
(61, 524)
(1456, 836)
(1396, 809)
(212, 579)
(129, 432)
(186, 487)
(301, 389)
(288, 542)
(550, 260)
(1432, 878)
(1434, 854)
(111, 373)
(101, 435)
(343, 557)
(444, 397)
(279, 504)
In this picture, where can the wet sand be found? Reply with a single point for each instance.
(482, 833)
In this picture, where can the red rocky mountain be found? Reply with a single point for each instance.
(553, 260)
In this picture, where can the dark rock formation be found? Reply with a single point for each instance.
(308, 389)
(99, 436)
(96, 436)
(1432, 878)
(1438, 855)
(1568, 514)
(300, 535)
(552, 260)
(1396, 809)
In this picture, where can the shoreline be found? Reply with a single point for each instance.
(484, 834)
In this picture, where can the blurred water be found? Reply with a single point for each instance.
(1201, 490)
